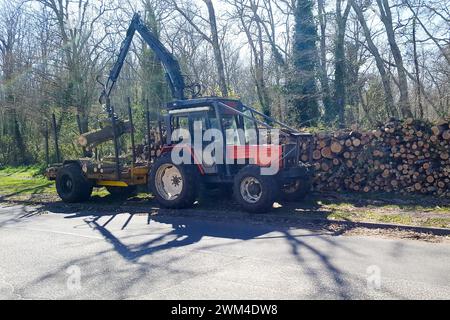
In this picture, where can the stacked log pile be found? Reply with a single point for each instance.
(402, 156)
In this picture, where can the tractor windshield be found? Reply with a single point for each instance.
(239, 130)
(231, 129)
(232, 125)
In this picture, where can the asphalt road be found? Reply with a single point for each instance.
(84, 255)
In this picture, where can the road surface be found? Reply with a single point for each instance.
(88, 255)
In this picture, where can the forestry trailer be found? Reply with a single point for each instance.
(243, 140)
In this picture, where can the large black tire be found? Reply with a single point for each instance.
(187, 175)
(256, 193)
(122, 192)
(71, 184)
(296, 190)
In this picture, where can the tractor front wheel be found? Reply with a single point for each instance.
(71, 184)
(256, 193)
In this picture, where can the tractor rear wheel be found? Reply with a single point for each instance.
(71, 184)
(296, 190)
(174, 186)
(256, 193)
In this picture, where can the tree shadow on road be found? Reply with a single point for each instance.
(136, 239)
(188, 231)
(184, 232)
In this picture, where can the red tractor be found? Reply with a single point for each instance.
(245, 158)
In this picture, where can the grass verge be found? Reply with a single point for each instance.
(24, 181)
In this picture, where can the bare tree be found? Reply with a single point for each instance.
(417, 69)
(323, 70)
(11, 35)
(339, 58)
(212, 39)
(443, 14)
(249, 22)
(386, 18)
(80, 46)
(389, 99)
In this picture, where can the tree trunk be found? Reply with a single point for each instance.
(386, 18)
(388, 96)
(216, 48)
(302, 86)
(339, 55)
(417, 71)
(257, 67)
(46, 145)
(21, 158)
(265, 101)
(326, 96)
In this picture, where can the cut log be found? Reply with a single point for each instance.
(94, 138)
(316, 155)
(336, 147)
(356, 142)
(446, 135)
(326, 153)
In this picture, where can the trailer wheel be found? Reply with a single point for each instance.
(122, 192)
(71, 184)
(256, 193)
(174, 186)
(296, 190)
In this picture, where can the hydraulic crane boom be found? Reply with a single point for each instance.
(172, 68)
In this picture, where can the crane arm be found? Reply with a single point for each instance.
(171, 66)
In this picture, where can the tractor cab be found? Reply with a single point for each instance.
(201, 121)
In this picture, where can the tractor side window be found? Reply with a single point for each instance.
(213, 120)
(250, 129)
(230, 127)
(180, 122)
(199, 124)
